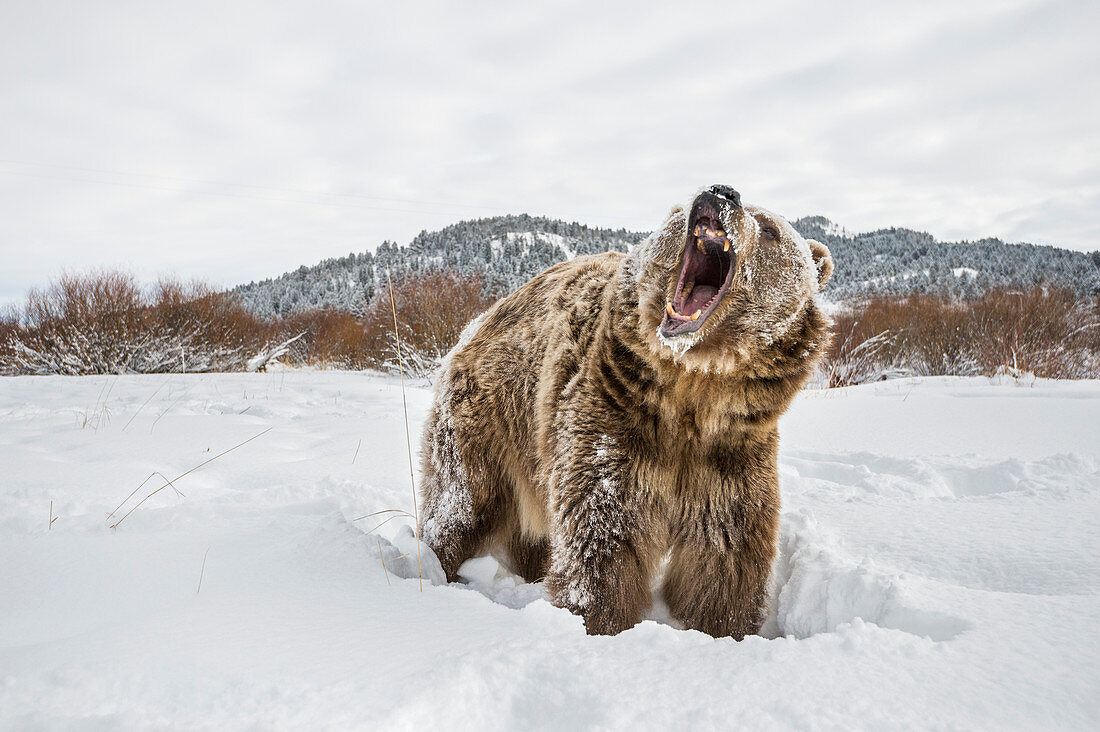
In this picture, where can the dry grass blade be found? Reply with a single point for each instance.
(103, 413)
(155, 472)
(202, 571)
(188, 472)
(391, 518)
(168, 409)
(383, 558)
(99, 414)
(401, 511)
(408, 440)
(143, 405)
(99, 397)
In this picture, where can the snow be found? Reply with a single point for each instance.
(833, 229)
(530, 237)
(679, 344)
(559, 242)
(938, 567)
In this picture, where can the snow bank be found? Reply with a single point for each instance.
(938, 567)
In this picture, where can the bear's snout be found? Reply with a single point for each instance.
(726, 193)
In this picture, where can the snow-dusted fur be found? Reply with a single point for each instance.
(570, 439)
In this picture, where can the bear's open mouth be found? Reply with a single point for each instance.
(706, 270)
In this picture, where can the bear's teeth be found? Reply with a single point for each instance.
(687, 290)
(697, 230)
(696, 315)
(726, 246)
(668, 308)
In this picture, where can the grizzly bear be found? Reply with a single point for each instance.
(619, 410)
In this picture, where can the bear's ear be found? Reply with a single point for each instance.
(822, 260)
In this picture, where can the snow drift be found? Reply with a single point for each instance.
(938, 568)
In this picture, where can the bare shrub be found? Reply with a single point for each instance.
(332, 339)
(856, 358)
(1050, 334)
(84, 324)
(206, 330)
(432, 309)
(1047, 333)
(9, 322)
(103, 323)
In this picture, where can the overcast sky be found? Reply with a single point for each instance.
(234, 141)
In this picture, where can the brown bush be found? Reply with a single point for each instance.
(1050, 334)
(9, 321)
(211, 331)
(331, 339)
(103, 323)
(432, 309)
(1047, 333)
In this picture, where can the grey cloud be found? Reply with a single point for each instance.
(964, 119)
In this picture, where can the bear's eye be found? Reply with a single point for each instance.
(769, 231)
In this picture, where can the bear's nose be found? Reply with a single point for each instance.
(727, 193)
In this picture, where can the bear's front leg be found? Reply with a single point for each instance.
(718, 571)
(603, 537)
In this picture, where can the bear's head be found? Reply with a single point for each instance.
(721, 283)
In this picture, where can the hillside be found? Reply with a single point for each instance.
(902, 262)
(506, 251)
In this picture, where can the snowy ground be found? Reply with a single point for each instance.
(939, 568)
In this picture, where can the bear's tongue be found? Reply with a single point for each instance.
(703, 275)
(699, 296)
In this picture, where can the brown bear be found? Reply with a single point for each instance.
(619, 409)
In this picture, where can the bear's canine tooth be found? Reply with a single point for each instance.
(668, 308)
(696, 315)
(726, 246)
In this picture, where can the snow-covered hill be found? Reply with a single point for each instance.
(506, 251)
(939, 568)
(902, 262)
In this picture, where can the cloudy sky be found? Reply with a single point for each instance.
(231, 141)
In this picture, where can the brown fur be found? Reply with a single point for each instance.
(566, 437)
